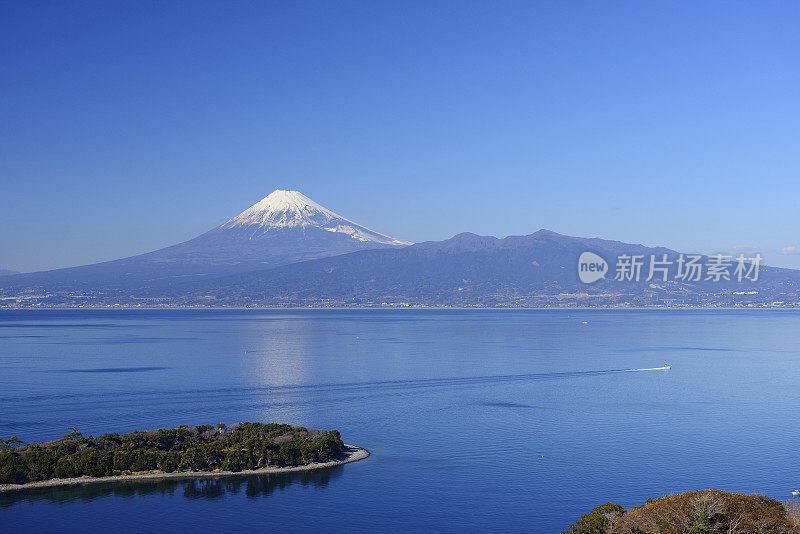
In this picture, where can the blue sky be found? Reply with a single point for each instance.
(125, 127)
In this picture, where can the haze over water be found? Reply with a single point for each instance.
(486, 420)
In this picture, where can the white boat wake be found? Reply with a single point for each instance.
(662, 368)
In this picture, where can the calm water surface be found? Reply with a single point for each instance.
(490, 420)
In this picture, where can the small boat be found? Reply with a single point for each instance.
(795, 493)
(667, 367)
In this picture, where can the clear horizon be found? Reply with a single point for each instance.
(128, 127)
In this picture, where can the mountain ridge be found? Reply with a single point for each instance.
(540, 269)
(534, 270)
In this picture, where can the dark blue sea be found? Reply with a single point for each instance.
(492, 421)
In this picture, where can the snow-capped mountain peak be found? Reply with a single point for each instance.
(284, 209)
(292, 209)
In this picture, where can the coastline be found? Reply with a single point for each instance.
(400, 308)
(353, 454)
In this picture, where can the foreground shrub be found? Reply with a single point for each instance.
(695, 512)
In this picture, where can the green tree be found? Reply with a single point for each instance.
(40, 463)
(12, 468)
(10, 444)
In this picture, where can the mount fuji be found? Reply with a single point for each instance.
(282, 210)
(284, 227)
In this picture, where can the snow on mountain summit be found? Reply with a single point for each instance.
(292, 209)
(284, 209)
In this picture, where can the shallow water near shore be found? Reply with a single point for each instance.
(490, 420)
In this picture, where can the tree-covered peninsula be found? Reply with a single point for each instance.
(204, 448)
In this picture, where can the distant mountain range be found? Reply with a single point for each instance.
(536, 270)
(287, 250)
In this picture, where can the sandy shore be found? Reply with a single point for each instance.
(352, 454)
